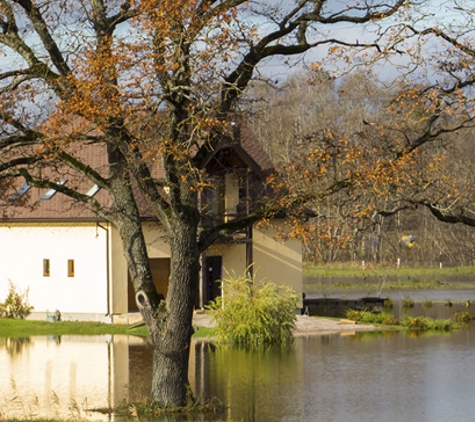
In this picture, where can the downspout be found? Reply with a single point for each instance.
(108, 277)
(201, 288)
(249, 243)
(249, 252)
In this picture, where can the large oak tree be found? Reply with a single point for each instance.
(436, 100)
(153, 83)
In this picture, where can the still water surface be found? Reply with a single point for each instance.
(361, 377)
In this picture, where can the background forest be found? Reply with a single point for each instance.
(286, 117)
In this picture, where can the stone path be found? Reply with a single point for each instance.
(305, 325)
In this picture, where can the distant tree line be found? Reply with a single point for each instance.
(289, 117)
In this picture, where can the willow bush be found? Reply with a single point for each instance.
(463, 317)
(251, 312)
(413, 324)
(368, 317)
(428, 324)
(16, 305)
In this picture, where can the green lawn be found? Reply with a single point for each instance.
(412, 284)
(351, 276)
(27, 328)
(353, 270)
(76, 420)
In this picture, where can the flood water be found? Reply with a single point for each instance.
(390, 376)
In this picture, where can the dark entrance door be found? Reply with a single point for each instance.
(213, 266)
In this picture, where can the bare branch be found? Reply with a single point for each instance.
(41, 28)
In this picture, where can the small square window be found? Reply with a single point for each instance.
(46, 268)
(70, 267)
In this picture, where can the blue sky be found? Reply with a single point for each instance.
(435, 12)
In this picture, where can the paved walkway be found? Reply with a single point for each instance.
(305, 325)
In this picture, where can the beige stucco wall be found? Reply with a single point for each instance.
(155, 239)
(276, 261)
(118, 274)
(231, 194)
(23, 247)
(157, 247)
(99, 286)
(234, 258)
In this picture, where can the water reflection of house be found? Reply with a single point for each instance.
(71, 261)
(58, 376)
(63, 377)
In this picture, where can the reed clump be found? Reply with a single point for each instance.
(429, 324)
(368, 317)
(412, 324)
(252, 313)
(463, 317)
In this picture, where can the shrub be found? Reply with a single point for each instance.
(425, 324)
(427, 304)
(372, 318)
(353, 315)
(407, 302)
(367, 317)
(415, 323)
(463, 317)
(16, 305)
(443, 325)
(390, 320)
(254, 313)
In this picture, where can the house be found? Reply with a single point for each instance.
(71, 261)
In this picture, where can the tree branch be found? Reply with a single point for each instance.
(41, 28)
(446, 216)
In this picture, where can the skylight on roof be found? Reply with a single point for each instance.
(48, 195)
(91, 192)
(23, 189)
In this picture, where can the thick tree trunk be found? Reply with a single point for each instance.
(172, 336)
(170, 321)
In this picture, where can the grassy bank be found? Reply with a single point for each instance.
(387, 285)
(83, 420)
(354, 270)
(347, 276)
(27, 328)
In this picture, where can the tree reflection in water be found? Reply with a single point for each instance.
(14, 345)
(323, 377)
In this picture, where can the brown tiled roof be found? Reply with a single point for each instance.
(63, 208)
(31, 206)
(255, 150)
